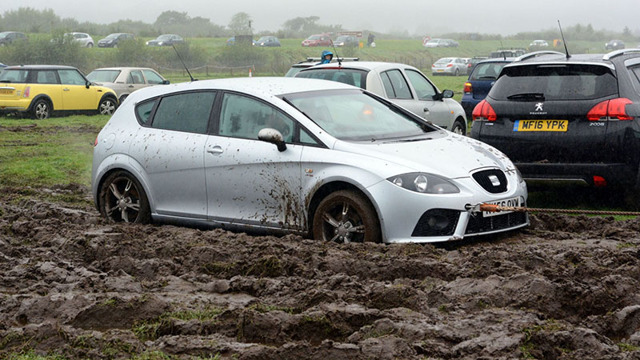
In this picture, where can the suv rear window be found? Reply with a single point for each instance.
(346, 76)
(487, 71)
(556, 82)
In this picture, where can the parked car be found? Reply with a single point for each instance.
(402, 84)
(39, 90)
(568, 119)
(321, 158)
(539, 43)
(346, 41)
(249, 41)
(614, 45)
(268, 41)
(317, 40)
(449, 66)
(312, 61)
(472, 63)
(441, 43)
(505, 53)
(125, 80)
(115, 39)
(83, 39)
(2, 65)
(9, 37)
(484, 75)
(166, 40)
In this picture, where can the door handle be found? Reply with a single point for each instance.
(65, 89)
(215, 150)
(425, 109)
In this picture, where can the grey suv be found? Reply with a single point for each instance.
(570, 119)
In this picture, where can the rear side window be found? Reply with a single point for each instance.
(14, 76)
(188, 112)
(46, 77)
(345, 76)
(556, 82)
(395, 85)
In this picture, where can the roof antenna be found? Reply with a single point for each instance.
(566, 51)
(183, 64)
(504, 53)
(336, 52)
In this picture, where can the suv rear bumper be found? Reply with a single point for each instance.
(577, 173)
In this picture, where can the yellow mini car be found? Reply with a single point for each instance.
(39, 90)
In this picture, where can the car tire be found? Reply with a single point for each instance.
(459, 127)
(89, 45)
(122, 199)
(346, 216)
(457, 72)
(41, 109)
(107, 106)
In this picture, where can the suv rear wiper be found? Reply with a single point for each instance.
(526, 96)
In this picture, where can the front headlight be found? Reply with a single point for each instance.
(424, 183)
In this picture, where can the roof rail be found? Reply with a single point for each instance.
(620, 52)
(336, 58)
(537, 53)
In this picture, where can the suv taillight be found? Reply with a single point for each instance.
(614, 109)
(467, 88)
(484, 112)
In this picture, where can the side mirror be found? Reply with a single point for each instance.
(447, 94)
(273, 136)
(87, 84)
(165, 82)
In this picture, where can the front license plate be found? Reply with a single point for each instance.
(540, 125)
(515, 202)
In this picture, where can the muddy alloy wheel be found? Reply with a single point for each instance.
(107, 106)
(459, 128)
(346, 216)
(122, 199)
(41, 110)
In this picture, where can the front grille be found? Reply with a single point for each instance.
(494, 180)
(479, 224)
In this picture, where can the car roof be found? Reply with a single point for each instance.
(39, 67)
(498, 60)
(123, 68)
(364, 65)
(257, 86)
(542, 57)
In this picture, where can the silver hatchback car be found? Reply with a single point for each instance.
(288, 155)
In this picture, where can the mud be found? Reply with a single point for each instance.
(565, 288)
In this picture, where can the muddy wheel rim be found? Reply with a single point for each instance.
(41, 110)
(342, 223)
(123, 200)
(107, 107)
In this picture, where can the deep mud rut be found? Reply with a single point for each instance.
(566, 288)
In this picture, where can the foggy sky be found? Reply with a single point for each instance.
(411, 16)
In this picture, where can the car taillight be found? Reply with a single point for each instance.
(449, 65)
(614, 109)
(27, 92)
(484, 112)
(467, 88)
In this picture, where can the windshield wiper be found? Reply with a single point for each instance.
(526, 96)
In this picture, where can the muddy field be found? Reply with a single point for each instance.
(565, 288)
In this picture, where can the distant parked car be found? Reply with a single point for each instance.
(472, 63)
(125, 80)
(84, 39)
(480, 81)
(9, 37)
(346, 41)
(232, 40)
(614, 45)
(449, 66)
(505, 53)
(402, 84)
(166, 40)
(115, 39)
(2, 65)
(268, 41)
(317, 40)
(39, 90)
(539, 43)
(441, 43)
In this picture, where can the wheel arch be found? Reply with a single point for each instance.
(103, 173)
(38, 98)
(331, 187)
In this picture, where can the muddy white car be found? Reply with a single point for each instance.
(288, 155)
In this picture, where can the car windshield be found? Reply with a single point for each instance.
(314, 37)
(356, 116)
(164, 37)
(103, 75)
(486, 71)
(3, 35)
(556, 82)
(444, 61)
(112, 36)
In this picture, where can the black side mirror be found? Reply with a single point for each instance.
(165, 82)
(273, 136)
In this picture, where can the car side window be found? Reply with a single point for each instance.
(424, 89)
(395, 85)
(244, 117)
(46, 77)
(136, 76)
(188, 112)
(71, 77)
(143, 111)
(152, 77)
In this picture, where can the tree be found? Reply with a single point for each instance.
(240, 24)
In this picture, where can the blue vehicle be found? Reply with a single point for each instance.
(480, 81)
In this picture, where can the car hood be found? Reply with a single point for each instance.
(451, 155)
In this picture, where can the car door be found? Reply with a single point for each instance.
(169, 147)
(249, 181)
(75, 93)
(48, 84)
(434, 108)
(135, 80)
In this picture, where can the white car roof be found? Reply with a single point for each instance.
(367, 65)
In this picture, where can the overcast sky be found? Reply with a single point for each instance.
(413, 16)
